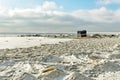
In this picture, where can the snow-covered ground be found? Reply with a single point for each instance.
(25, 42)
(76, 59)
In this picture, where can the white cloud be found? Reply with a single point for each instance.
(106, 2)
(96, 15)
(48, 6)
(48, 17)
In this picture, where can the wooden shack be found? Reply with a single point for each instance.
(82, 33)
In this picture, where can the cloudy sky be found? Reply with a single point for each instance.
(59, 15)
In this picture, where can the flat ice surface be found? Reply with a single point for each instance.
(24, 42)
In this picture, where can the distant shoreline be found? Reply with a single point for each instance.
(69, 33)
(61, 35)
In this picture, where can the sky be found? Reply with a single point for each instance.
(59, 15)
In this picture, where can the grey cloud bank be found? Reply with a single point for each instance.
(49, 17)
